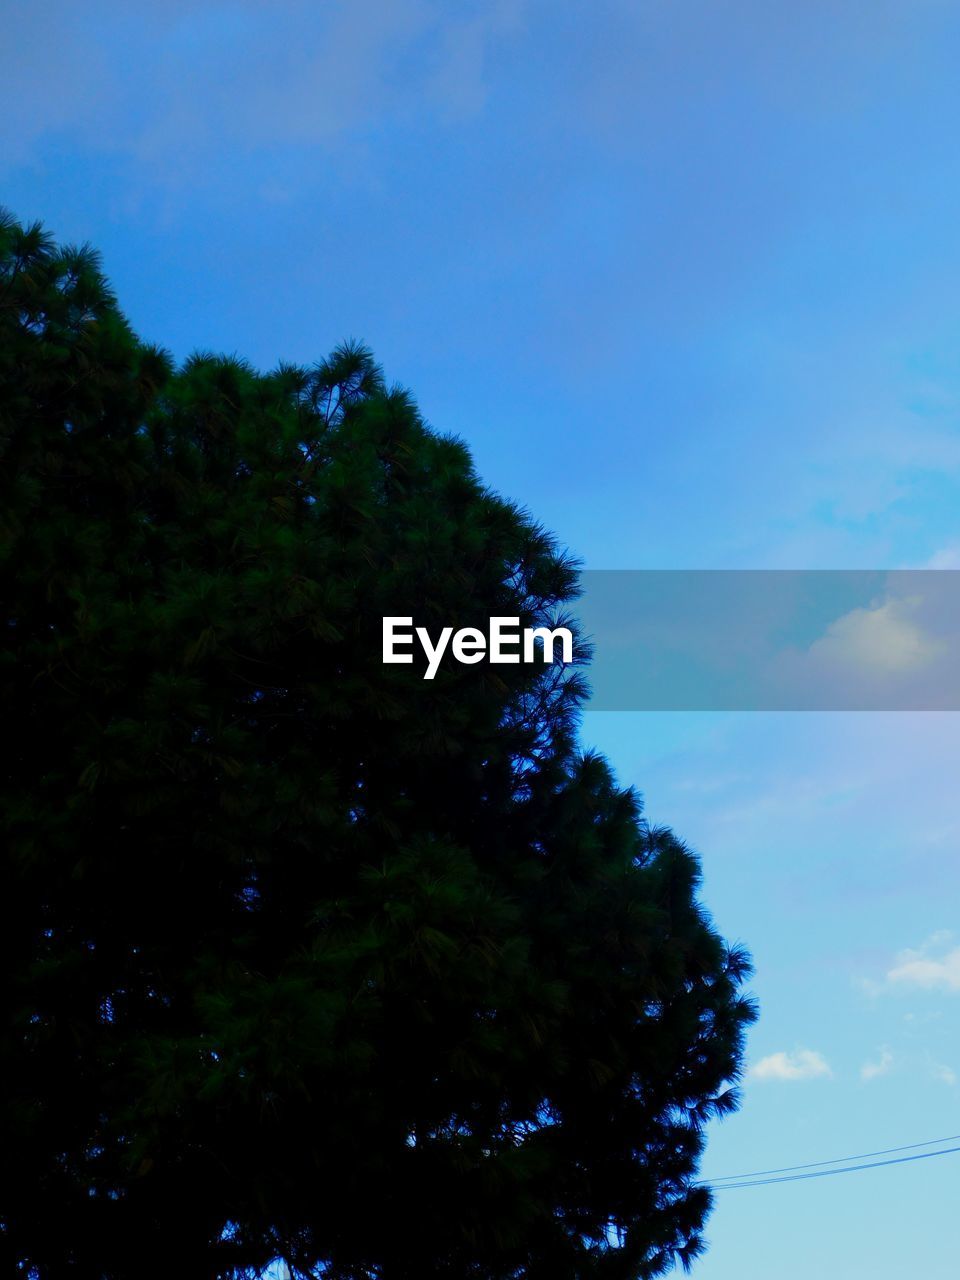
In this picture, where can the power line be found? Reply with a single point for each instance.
(827, 1173)
(817, 1164)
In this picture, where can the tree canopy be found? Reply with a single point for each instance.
(303, 956)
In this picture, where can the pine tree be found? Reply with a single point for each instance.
(305, 957)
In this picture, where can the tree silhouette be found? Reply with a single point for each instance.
(305, 957)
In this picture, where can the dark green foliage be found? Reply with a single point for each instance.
(304, 956)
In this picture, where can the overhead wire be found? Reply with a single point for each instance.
(827, 1173)
(817, 1164)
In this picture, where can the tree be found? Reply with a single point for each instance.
(304, 956)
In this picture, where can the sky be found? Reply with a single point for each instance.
(686, 277)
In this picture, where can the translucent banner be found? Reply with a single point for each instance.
(772, 640)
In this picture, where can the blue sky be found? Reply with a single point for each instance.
(686, 276)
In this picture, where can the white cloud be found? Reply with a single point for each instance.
(801, 1064)
(935, 966)
(884, 638)
(881, 1067)
(946, 1075)
(896, 652)
(947, 557)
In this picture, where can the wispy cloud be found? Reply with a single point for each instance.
(800, 1064)
(182, 79)
(880, 1067)
(934, 966)
(947, 557)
